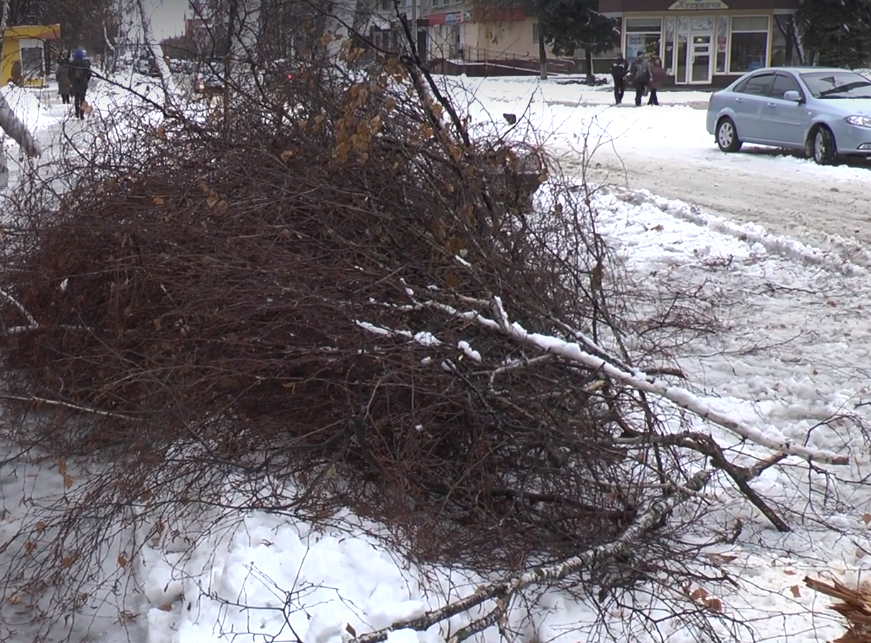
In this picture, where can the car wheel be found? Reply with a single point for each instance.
(727, 136)
(822, 146)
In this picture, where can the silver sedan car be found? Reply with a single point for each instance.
(824, 112)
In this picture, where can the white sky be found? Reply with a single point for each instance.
(167, 17)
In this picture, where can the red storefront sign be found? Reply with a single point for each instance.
(451, 18)
(517, 14)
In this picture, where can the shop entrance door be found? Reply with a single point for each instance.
(701, 57)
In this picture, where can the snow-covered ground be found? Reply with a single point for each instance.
(754, 229)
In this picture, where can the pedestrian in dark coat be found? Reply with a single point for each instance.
(639, 71)
(618, 72)
(80, 76)
(657, 78)
(63, 80)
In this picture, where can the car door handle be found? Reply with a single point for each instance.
(739, 100)
(771, 104)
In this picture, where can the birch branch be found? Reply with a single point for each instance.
(639, 380)
(502, 591)
(31, 320)
(32, 399)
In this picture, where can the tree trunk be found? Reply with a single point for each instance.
(109, 65)
(789, 30)
(796, 40)
(542, 55)
(155, 52)
(588, 58)
(8, 120)
(232, 20)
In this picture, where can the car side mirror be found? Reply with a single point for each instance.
(792, 96)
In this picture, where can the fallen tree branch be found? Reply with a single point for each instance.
(31, 320)
(32, 399)
(638, 380)
(502, 591)
(741, 476)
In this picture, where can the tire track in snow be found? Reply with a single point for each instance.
(797, 215)
(753, 233)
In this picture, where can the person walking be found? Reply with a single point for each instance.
(80, 76)
(63, 80)
(657, 78)
(639, 72)
(618, 72)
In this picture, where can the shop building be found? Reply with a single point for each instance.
(705, 42)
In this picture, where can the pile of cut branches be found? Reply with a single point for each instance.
(353, 300)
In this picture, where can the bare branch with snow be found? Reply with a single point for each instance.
(638, 380)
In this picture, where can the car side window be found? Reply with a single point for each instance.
(784, 83)
(758, 85)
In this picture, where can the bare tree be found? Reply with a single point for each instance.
(154, 50)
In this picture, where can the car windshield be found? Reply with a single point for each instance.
(843, 84)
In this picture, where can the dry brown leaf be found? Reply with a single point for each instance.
(795, 590)
(68, 481)
(789, 572)
(350, 630)
(29, 546)
(68, 561)
(714, 604)
(122, 561)
(166, 607)
(159, 200)
(14, 599)
(699, 594)
(40, 527)
(62, 466)
(721, 559)
(860, 553)
(866, 518)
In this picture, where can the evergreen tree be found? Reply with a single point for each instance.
(836, 32)
(572, 25)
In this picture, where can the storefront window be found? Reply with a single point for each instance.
(702, 24)
(668, 54)
(749, 47)
(643, 35)
(722, 28)
(680, 66)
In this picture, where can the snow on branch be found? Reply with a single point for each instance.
(637, 379)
